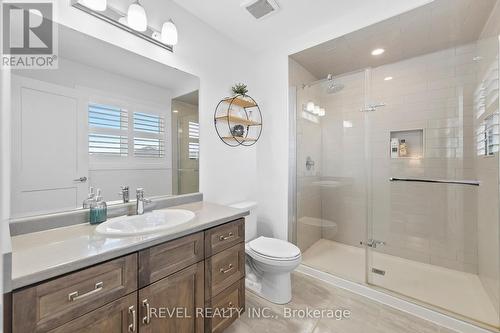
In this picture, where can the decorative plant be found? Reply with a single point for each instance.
(239, 89)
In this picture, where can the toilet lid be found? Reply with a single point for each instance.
(275, 248)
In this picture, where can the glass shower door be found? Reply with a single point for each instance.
(331, 178)
(432, 169)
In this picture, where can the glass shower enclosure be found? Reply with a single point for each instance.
(397, 164)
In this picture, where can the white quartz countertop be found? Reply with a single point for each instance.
(42, 255)
(6, 248)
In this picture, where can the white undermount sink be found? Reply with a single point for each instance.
(155, 221)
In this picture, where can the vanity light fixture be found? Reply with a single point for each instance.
(136, 17)
(134, 21)
(169, 34)
(314, 110)
(99, 5)
(310, 107)
(377, 52)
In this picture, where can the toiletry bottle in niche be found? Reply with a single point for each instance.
(403, 148)
(98, 209)
(394, 148)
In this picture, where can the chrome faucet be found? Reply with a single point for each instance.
(125, 194)
(141, 201)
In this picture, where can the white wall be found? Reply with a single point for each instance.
(272, 84)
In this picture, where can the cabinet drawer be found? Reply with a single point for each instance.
(226, 307)
(162, 260)
(50, 304)
(119, 316)
(222, 237)
(224, 269)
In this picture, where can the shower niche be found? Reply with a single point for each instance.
(406, 144)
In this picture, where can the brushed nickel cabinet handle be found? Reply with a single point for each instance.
(74, 296)
(224, 271)
(132, 327)
(146, 320)
(223, 238)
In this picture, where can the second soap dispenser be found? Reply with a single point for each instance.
(98, 209)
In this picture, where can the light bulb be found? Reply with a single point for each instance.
(136, 17)
(99, 5)
(322, 112)
(316, 109)
(169, 33)
(310, 107)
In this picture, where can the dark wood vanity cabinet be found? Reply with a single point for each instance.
(193, 284)
(173, 302)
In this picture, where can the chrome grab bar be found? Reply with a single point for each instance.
(438, 181)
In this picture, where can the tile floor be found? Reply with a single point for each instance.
(456, 291)
(366, 315)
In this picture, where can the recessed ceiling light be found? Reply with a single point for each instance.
(389, 78)
(377, 52)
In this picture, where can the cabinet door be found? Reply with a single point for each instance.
(170, 305)
(119, 316)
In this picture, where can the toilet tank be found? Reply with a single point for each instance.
(250, 220)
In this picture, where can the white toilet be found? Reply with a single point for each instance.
(269, 261)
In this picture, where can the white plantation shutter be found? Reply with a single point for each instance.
(149, 132)
(194, 144)
(108, 127)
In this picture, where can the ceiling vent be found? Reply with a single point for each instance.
(261, 8)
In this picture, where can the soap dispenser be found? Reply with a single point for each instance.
(90, 198)
(98, 209)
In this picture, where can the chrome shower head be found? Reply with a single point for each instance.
(329, 83)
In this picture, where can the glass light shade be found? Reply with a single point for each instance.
(99, 5)
(136, 17)
(169, 33)
(123, 20)
(310, 107)
(316, 110)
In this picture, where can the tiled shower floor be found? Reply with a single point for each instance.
(451, 290)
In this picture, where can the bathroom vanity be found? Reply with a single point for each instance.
(189, 279)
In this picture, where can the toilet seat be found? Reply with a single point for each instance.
(274, 249)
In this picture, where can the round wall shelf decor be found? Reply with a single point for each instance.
(238, 121)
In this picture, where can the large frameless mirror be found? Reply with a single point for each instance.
(96, 122)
